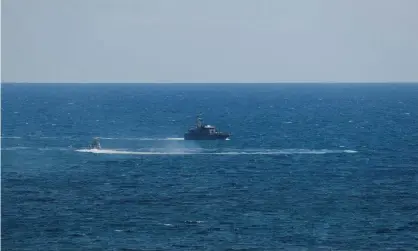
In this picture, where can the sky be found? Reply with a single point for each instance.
(189, 41)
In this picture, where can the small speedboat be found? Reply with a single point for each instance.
(95, 144)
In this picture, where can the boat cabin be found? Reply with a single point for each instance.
(210, 128)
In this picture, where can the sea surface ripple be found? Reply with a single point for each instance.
(308, 167)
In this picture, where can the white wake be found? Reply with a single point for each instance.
(230, 152)
(143, 139)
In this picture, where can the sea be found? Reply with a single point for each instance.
(307, 167)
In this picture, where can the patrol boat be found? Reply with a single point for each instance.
(95, 144)
(205, 132)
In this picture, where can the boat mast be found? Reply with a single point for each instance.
(198, 122)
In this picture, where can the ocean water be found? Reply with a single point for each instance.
(308, 167)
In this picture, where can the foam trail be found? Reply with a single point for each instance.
(54, 149)
(104, 138)
(142, 139)
(175, 139)
(350, 151)
(241, 152)
(49, 138)
(110, 151)
(14, 148)
(53, 137)
(33, 137)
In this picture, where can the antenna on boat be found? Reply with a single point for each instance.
(198, 121)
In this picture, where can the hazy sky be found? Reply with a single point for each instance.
(209, 41)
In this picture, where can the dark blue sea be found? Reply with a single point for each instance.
(308, 167)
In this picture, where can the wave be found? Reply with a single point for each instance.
(14, 148)
(236, 152)
(10, 137)
(147, 139)
(187, 151)
(104, 138)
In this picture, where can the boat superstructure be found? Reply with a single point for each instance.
(95, 144)
(204, 132)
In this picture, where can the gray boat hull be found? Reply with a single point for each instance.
(192, 136)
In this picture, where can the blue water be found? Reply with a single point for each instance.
(309, 167)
